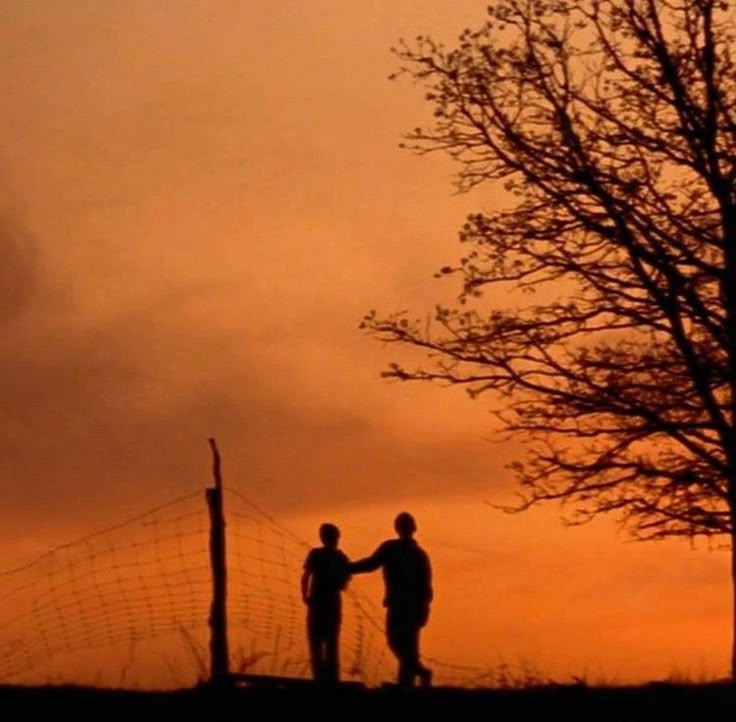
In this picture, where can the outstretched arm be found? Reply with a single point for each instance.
(367, 564)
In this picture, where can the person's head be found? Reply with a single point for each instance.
(329, 535)
(405, 525)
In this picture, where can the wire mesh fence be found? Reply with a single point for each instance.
(129, 606)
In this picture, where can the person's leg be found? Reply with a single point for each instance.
(331, 652)
(406, 628)
(393, 640)
(400, 644)
(315, 645)
(424, 673)
(410, 638)
(332, 664)
(323, 671)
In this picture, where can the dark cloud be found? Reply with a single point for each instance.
(121, 351)
(105, 418)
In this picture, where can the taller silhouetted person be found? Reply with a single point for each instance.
(407, 576)
(325, 576)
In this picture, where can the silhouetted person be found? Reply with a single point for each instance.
(407, 576)
(325, 576)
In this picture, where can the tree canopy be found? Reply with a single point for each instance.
(605, 131)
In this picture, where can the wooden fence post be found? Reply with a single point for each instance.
(219, 655)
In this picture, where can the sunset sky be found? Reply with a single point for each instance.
(199, 200)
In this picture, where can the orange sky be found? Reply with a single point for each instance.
(198, 202)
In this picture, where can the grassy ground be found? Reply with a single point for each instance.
(305, 701)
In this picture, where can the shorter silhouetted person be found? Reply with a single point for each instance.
(325, 576)
(407, 576)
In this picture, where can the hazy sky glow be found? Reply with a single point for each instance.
(198, 202)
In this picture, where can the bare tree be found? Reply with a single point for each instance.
(610, 125)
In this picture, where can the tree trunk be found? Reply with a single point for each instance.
(219, 655)
(728, 291)
(733, 592)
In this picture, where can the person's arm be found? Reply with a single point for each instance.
(367, 564)
(306, 576)
(305, 585)
(345, 577)
(429, 590)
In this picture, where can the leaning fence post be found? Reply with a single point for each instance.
(219, 656)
